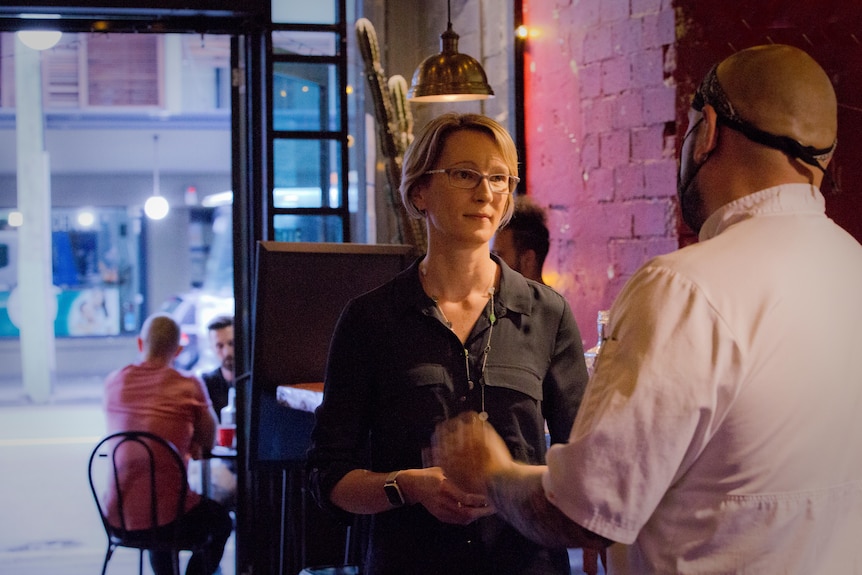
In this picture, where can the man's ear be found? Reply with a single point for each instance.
(140, 344)
(179, 350)
(706, 140)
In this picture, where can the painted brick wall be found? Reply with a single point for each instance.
(600, 113)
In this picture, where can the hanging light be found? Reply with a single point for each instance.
(156, 207)
(39, 39)
(449, 76)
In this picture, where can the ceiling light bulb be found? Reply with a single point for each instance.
(156, 207)
(39, 39)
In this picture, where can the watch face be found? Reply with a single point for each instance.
(393, 493)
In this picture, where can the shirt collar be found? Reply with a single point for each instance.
(778, 199)
(513, 295)
(514, 291)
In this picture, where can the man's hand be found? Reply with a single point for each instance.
(475, 458)
(470, 452)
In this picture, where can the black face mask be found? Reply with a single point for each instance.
(690, 200)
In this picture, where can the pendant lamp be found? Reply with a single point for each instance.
(449, 76)
(156, 207)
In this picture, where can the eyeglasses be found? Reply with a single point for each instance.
(467, 179)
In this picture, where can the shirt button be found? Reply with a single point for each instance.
(462, 399)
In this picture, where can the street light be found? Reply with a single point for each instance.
(156, 207)
(39, 39)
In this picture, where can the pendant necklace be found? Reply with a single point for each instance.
(492, 319)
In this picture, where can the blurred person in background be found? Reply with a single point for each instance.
(523, 243)
(152, 396)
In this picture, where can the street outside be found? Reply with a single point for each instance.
(50, 523)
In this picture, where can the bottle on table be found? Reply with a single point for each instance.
(592, 354)
(227, 423)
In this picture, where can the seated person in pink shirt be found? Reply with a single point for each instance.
(152, 396)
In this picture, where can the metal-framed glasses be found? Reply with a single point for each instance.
(467, 179)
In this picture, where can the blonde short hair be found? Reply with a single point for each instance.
(425, 150)
(161, 336)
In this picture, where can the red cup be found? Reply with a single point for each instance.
(227, 435)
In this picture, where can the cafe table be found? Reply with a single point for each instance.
(301, 396)
(218, 452)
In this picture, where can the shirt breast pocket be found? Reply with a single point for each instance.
(424, 399)
(514, 378)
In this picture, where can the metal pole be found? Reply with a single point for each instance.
(36, 296)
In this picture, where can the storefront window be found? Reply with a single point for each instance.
(95, 273)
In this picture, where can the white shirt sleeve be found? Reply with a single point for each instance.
(654, 401)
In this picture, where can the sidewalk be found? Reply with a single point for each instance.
(68, 390)
(50, 522)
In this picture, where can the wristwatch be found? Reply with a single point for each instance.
(393, 492)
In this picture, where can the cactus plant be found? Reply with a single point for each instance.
(394, 127)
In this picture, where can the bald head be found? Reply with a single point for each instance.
(763, 117)
(782, 90)
(160, 337)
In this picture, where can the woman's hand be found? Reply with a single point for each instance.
(442, 498)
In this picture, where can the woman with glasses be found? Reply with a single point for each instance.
(457, 331)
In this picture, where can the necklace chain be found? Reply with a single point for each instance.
(490, 291)
(492, 319)
(440, 309)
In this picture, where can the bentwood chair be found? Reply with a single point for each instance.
(109, 461)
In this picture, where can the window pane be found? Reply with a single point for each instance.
(291, 228)
(304, 43)
(304, 11)
(61, 69)
(305, 97)
(123, 70)
(306, 173)
(205, 75)
(95, 271)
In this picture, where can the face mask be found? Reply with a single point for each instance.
(688, 193)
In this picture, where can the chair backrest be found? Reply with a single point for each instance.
(138, 480)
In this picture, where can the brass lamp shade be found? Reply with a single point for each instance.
(449, 76)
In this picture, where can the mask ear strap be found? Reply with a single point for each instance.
(789, 146)
(808, 154)
(711, 92)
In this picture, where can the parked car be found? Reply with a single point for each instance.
(193, 311)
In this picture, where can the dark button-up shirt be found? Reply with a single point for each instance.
(395, 371)
(217, 386)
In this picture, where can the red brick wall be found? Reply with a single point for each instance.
(600, 109)
(608, 84)
(829, 30)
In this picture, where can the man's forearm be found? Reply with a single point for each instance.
(520, 499)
